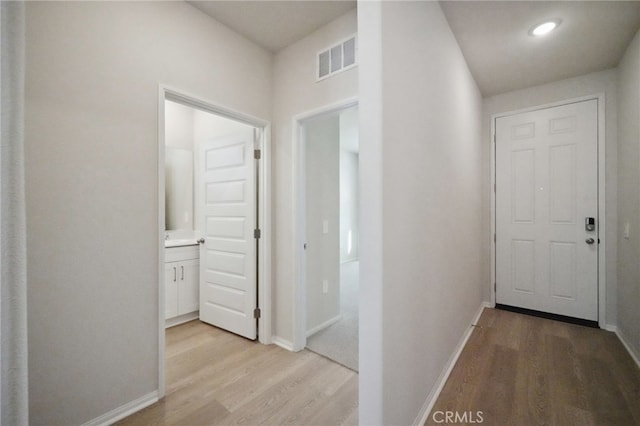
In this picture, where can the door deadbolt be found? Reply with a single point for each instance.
(590, 223)
(589, 241)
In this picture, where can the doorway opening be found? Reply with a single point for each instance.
(213, 219)
(328, 170)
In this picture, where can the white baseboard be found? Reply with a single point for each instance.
(611, 328)
(324, 325)
(446, 371)
(124, 410)
(172, 322)
(628, 347)
(283, 343)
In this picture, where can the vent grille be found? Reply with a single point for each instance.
(337, 58)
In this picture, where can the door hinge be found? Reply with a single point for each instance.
(494, 188)
(495, 287)
(256, 313)
(494, 238)
(257, 154)
(256, 234)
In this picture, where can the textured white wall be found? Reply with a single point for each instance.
(430, 161)
(629, 196)
(590, 84)
(322, 189)
(298, 92)
(93, 70)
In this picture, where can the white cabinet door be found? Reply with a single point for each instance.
(228, 256)
(188, 286)
(171, 289)
(546, 185)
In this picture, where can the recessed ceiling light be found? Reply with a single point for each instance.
(544, 28)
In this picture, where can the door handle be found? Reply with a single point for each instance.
(182, 272)
(201, 241)
(589, 241)
(175, 274)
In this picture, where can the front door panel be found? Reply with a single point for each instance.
(546, 185)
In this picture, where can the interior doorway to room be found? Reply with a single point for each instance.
(213, 166)
(331, 273)
(547, 210)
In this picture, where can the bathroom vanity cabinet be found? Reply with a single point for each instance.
(182, 280)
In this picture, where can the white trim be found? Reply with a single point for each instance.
(324, 325)
(628, 347)
(264, 192)
(181, 319)
(611, 328)
(160, 238)
(283, 343)
(423, 415)
(124, 410)
(299, 215)
(602, 218)
(264, 244)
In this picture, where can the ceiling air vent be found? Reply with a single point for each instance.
(337, 58)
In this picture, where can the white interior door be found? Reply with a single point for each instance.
(228, 257)
(546, 185)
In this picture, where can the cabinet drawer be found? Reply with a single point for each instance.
(177, 254)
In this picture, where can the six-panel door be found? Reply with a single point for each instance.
(546, 185)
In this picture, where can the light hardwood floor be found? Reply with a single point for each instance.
(217, 378)
(522, 370)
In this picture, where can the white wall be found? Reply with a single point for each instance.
(629, 196)
(349, 181)
(349, 211)
(590, 84)
(430, 161)
(91, 171)
(370, 297)
(178, 125)
(322, 189)
(298, 92)
(178, 139)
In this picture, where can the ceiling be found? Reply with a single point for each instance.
(493, 36)
(274, 24)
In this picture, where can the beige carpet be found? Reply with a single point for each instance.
(339, 342)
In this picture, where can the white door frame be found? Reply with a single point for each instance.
(602, 272)
(300, 216)
(264, 213)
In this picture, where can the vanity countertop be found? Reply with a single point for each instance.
(180, 242)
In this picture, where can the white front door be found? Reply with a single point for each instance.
(228, 257)
(546, 190)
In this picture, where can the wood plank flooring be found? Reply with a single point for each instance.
(523, 370)
(217, 378)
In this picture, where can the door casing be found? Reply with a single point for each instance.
(602, 273)
(264, 213)
(299, 206)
